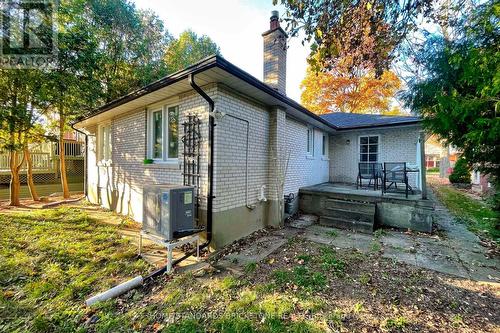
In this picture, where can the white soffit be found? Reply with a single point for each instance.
(211, 75)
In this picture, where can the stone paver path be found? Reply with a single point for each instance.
(455, 251)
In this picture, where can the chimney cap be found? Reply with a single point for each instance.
(274, 24)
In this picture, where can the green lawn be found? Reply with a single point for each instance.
(42, 190)
(479, 217)
(52, 260)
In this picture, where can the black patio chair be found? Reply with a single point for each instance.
(370, 171)
(394, 173)
(379, 173)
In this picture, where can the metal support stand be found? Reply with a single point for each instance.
(170, 245)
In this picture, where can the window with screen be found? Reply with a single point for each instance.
(310, 141)
(163, 133)
(104, 143)
(324, 149)
(369, 148)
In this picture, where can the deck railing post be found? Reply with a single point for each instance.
(423, 171)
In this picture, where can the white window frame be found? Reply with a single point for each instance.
(165, 134)
(324, 146)
(101, 159)
(150, 133)
(310, 141)
(379, 144)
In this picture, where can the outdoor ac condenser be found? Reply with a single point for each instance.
(168, 211)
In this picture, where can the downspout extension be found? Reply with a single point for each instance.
(85, 160)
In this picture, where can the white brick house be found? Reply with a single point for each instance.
(137, 140)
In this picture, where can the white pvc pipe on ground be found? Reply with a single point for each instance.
(116, 291)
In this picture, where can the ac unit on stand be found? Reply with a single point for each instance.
(168, 211)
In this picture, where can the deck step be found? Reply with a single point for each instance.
(361, 207)
(337, 222)
(354, 215)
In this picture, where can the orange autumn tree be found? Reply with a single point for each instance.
(325, 92)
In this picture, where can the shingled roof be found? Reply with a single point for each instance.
(343, 120)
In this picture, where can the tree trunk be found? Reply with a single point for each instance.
(62, 158)
(29, 175)
(15, 183)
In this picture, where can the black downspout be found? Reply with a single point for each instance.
(85, 160)
(211, 127)
(210, 198)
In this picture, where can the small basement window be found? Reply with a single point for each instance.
(163, 133)
(104, 143)
(369, 148)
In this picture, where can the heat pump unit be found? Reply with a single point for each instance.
(168, 211)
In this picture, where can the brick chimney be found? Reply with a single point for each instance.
(275, 54)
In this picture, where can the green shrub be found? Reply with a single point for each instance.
(433, 170)
(461, 172)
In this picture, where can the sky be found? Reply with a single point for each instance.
(236, 26)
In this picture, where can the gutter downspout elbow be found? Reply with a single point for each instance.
(211, 132)
(211, 127)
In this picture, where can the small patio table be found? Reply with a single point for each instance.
(395, 172)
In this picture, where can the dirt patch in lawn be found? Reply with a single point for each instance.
(45, 202)
(52, 260)
(307, 287)
(368, 293)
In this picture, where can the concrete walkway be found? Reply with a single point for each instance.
(151, 252)
(455, 250)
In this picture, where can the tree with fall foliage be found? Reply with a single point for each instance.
(360, 33)
(333, 91)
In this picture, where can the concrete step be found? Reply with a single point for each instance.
(362, 207)
(337, 222)
(353, 215)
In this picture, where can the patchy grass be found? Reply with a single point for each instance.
(397, 323)
(250, 267)
(379, 233)
(332, 233)
(50, 261)
(477, 215)
(375, 246)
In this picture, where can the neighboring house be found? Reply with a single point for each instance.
(481, 182)
(440, 155)
(145, 138)
(434, 152)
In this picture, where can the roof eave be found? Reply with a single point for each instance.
(205, 64)
(400, 124)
